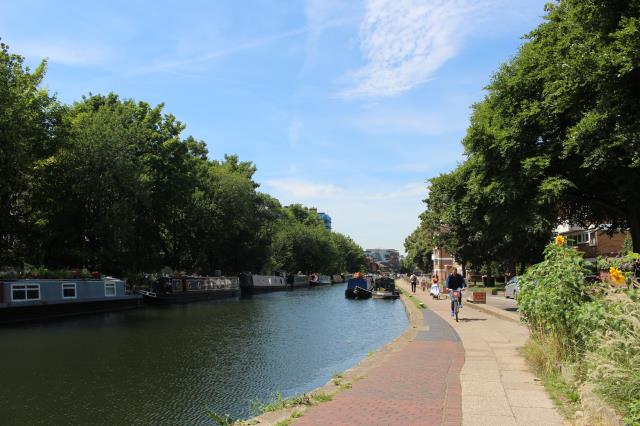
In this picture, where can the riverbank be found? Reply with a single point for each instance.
(345, 380)
(414, 379)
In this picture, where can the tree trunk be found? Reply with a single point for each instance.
(634, 227)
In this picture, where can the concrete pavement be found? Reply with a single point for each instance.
(438, 372)
(497, 387)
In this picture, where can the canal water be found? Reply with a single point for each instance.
(169, 365)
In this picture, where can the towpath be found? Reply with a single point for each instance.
(467, 373)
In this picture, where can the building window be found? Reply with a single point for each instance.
(109, 288)
(24, 292)
(69, 290)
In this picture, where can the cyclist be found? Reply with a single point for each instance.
(454, 282)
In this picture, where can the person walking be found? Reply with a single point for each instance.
(414, 280)
(455, 282)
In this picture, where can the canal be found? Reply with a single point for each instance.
(170, 365)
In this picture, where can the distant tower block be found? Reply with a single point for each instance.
(326, 219)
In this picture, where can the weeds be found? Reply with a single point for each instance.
(322, 397)
(277, 402)
(225, 420)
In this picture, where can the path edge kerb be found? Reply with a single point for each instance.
(494, 312)
(415, 318)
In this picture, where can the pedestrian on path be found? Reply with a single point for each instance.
(414, 281)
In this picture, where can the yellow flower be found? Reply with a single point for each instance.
(617, 277)
(560, 240)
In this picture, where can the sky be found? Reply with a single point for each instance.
(348, 106)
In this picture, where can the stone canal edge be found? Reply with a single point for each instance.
(413, 380)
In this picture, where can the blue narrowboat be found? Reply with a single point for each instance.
(35, 299)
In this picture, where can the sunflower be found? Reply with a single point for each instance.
(617, 277)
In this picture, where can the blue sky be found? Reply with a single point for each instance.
(348, 106)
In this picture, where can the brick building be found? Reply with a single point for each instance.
(443, 263)
(592, 241)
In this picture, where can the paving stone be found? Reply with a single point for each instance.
(537, 417)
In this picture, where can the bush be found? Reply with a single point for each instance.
(551, 295)
(613, 361)
(595, 326)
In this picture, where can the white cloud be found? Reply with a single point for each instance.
(63, 51)
(303, 190)
(406, 41)
(373, 213)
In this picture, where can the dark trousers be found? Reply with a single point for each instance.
(413, 287)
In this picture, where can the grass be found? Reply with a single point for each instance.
(418, 304)
(277, 402)
(225, 420)
(287, 422)
(336, 378)
(322, 397)
(543, 357)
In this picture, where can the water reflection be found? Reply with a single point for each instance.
(168, 365)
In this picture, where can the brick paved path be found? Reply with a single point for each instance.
(418, 385)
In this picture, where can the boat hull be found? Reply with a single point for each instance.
(385, 295)
(357, 293)
(14, 314)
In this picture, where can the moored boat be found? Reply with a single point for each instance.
(35, 299)
(357, 288)
(299, 280)
(317, 279)
(385, 288)
(250, 283)
(337, 278)
(169, 290)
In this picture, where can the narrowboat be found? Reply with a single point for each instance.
(36, 299)
(385, 288)
(299, 280)
(250, 283)
(357, 288)
(170, 290)
(317, 279)
(336, 279)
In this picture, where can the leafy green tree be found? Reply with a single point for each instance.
(29, 119)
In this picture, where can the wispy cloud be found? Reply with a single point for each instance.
(304, 190)
(298, 190)
(76, 52)
(406, 41)
(195, 62)
(375, 214)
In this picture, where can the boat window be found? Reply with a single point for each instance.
(23, 292)
(109, 288)
(68, 290)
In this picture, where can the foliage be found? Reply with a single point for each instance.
(225, 420)
(419, 248)
(595, 326)
(302, 243)
(551, 294)
(112, 184)
(558, 129)
(29, 126)
(277, 402)
(614, 355)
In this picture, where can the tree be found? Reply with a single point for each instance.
(28, 133)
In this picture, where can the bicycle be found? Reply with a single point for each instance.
(456, 294)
